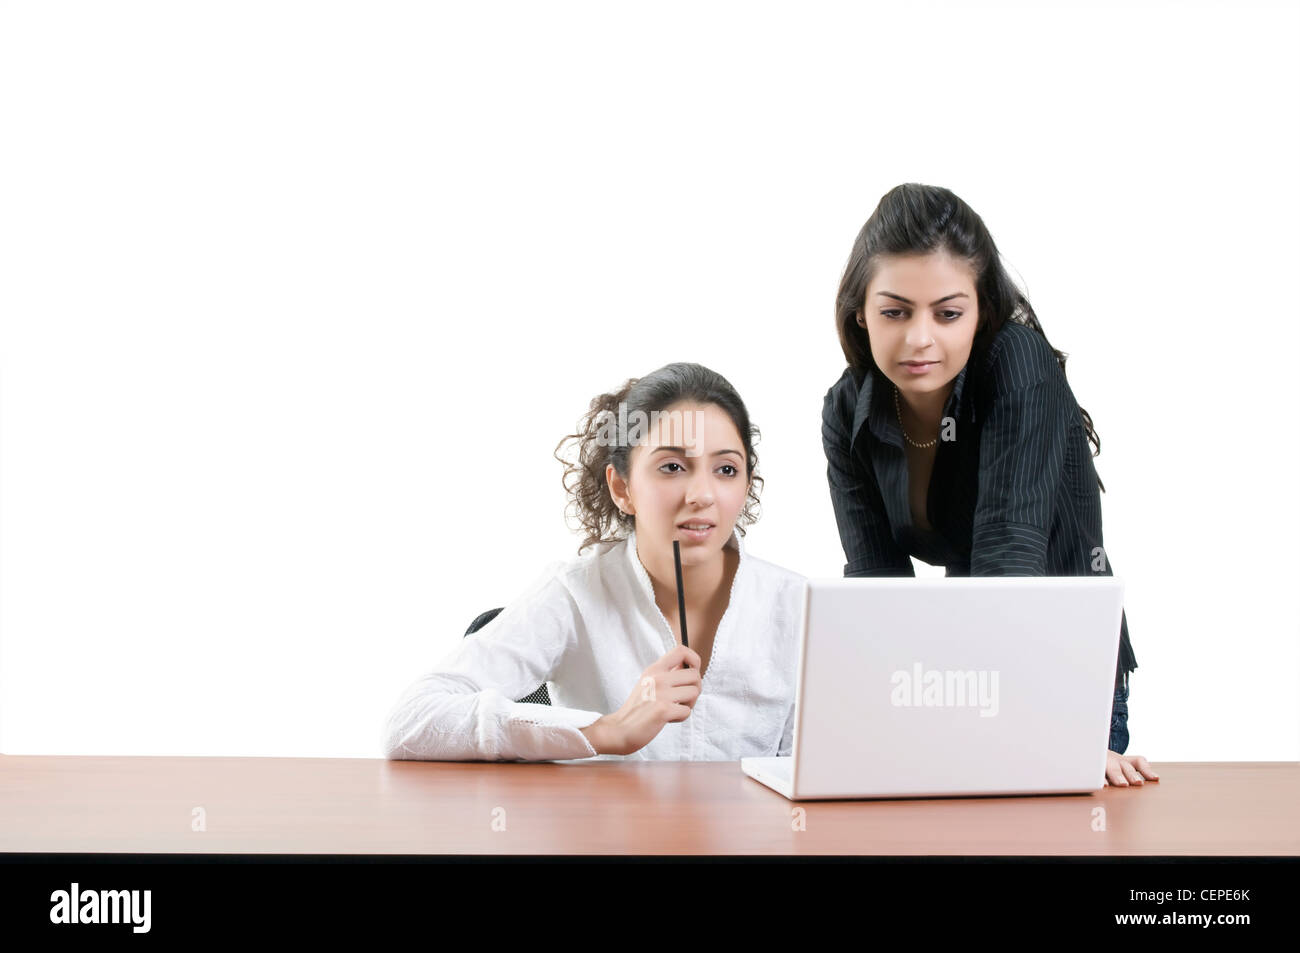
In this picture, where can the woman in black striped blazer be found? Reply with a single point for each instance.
(952, 435)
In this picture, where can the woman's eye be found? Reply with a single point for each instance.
(949, 315)
(735, 471)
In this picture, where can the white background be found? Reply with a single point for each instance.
(298, 299)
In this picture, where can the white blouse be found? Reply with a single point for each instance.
(588, 628)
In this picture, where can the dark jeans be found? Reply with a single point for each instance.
(1119, 716)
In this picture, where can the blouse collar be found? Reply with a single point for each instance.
(884, 424)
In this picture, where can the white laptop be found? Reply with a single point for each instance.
(951, 687)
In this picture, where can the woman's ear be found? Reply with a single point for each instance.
(618, 490)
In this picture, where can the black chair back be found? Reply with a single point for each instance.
(539, 697)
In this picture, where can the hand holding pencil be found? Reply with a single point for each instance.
(666, 691)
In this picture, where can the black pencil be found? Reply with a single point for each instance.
(681, 599)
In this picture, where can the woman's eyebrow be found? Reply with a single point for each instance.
(682, 450)
(890, 294)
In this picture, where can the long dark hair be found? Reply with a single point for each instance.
(584, 479)
(914, 219)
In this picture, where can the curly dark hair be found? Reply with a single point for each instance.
(584, 480)
(913, 219)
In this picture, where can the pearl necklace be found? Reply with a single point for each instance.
(898, 410)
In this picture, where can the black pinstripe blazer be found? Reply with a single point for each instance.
(1013, 493)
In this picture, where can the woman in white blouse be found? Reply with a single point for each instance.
(668, 456)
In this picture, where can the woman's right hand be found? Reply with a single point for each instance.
(665, 692)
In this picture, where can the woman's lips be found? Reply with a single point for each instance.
(695, 535)
(920, 368)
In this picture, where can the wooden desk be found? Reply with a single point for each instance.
(372, 806)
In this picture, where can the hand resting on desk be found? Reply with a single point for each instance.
(1123, 770)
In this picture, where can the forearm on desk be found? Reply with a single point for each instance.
(431, 723)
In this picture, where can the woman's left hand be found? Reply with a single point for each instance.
(1125, 770)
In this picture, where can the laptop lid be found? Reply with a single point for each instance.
(955, 686)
